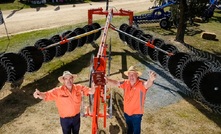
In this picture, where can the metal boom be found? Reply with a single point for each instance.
(99, 73)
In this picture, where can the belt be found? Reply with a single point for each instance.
(69, 117)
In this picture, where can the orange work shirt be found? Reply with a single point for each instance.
(134, 97)
(68, 103)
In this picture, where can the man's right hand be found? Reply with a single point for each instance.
(37, 94)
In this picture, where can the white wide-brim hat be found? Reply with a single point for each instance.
(65, 73)
(132, 69)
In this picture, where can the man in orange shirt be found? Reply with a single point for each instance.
(68, 101)
(134, 97)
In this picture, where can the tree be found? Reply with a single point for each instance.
(189, 9)
(186, 10)
(182, 21)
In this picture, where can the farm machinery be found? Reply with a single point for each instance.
(166, 19)
(200, 71)
(158, 15)
(209, 11)
(204, 11)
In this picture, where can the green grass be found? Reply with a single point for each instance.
(14, 5)
(19, 41)
(18, 5)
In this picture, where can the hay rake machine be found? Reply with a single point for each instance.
(200, 71)
(195, 69)
(158, 15)
(99, 67)
(13, 66)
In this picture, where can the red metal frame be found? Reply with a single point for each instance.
(99, 65)
(98, 75)
(100, 11)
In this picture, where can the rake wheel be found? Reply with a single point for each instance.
(123, 28)
(189, 69)
(163, 58)
(96, 26)
(128, 39)
(73, 43)
(206, 84)
(135, 43)
(206, 87)
(210, 87)
(153, 53)
(90, 37)
(82, 40)
(175, 61)
(142, 48)
(15, 65)
(34, 58)
(60, 49)
(49, 53)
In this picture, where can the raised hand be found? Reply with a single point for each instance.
(152, 75)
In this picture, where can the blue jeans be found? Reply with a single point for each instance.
(133, 123)
(70, 125)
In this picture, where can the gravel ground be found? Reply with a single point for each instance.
(166, 89)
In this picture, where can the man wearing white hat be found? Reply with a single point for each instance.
(68, 101)
(134, 97)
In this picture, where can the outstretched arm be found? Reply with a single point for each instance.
(112, 82)
(38, 94)
(149, 82)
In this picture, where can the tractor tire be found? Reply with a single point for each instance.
(164, 23)
(15, 64)
(72, 44)
(60, 49)
(33, 56)
(49, 53)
